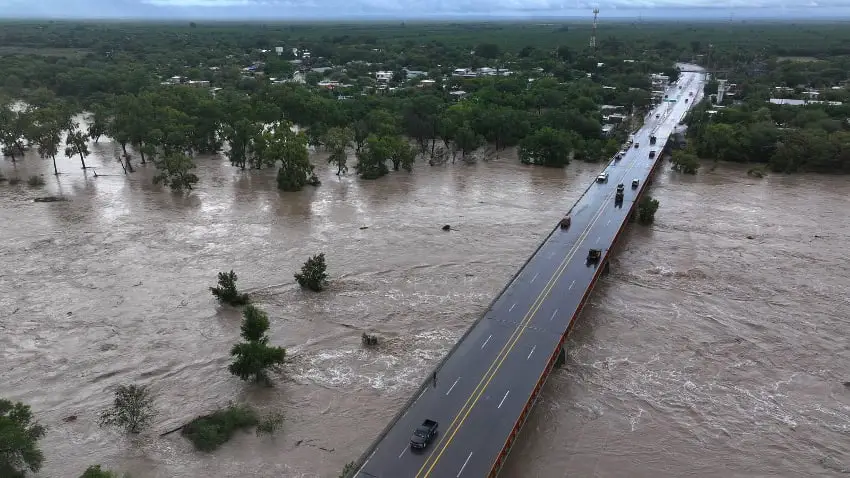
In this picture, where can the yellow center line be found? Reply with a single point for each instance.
(516, 336)
(523, 322)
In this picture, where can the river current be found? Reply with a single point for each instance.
(715, 348)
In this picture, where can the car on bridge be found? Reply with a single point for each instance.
(565, 222)
(636, 145)
(635, 183)
(602, 178)
(593, 256)
(652, 154)
(423, 435)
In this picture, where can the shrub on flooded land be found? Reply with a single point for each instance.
(253, 358)
(132, 410)
(270, 424)
(226, 291)
(313, 274)
(347, 470)
(209, 432)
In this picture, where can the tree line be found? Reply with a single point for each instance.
(170, 126)
(785, 138)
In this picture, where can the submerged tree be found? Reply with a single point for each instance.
(175, 171)
(95, 471)
(19, 435)
(77, 145)
(47, 133)
(13, 128)
(290, 149)
(254, 357)
(98, 123)
(646, 210)
(132, 410)
(226, 290)
(337, 141)
(313, 274)
(547, 147)
(685, 161)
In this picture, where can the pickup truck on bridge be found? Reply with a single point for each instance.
(423, 434)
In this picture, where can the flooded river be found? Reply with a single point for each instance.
(716, 348)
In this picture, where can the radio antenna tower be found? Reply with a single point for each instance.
(593, 35)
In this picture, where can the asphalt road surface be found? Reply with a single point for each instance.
(484, 385)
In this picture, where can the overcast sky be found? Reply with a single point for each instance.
(339, 9)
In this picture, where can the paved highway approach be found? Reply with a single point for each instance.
(488, 383)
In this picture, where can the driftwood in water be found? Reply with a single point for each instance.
(169, 432)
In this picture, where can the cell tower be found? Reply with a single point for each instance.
(593, 35)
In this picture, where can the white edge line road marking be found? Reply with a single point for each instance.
(402, 453)
(598, 239)
(608, 223)
(503, 399)
(532, 351)
(512, 307)
(464, 465)
(485, 342)
(572, 284)
(453, 386)
(553, 314)
(535, 277)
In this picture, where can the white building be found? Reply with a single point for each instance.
(383, 76)
(415, 73)
(659, 84)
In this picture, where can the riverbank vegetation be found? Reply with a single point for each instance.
(383, 98)
(813, 137)
(785, 107)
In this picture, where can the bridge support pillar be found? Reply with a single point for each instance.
(562, 358)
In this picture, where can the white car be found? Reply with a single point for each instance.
(602, 178)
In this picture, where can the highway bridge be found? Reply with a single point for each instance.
(488, 383)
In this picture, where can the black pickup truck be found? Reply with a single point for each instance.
(423, 434)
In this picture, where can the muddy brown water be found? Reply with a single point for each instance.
(704, 353)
